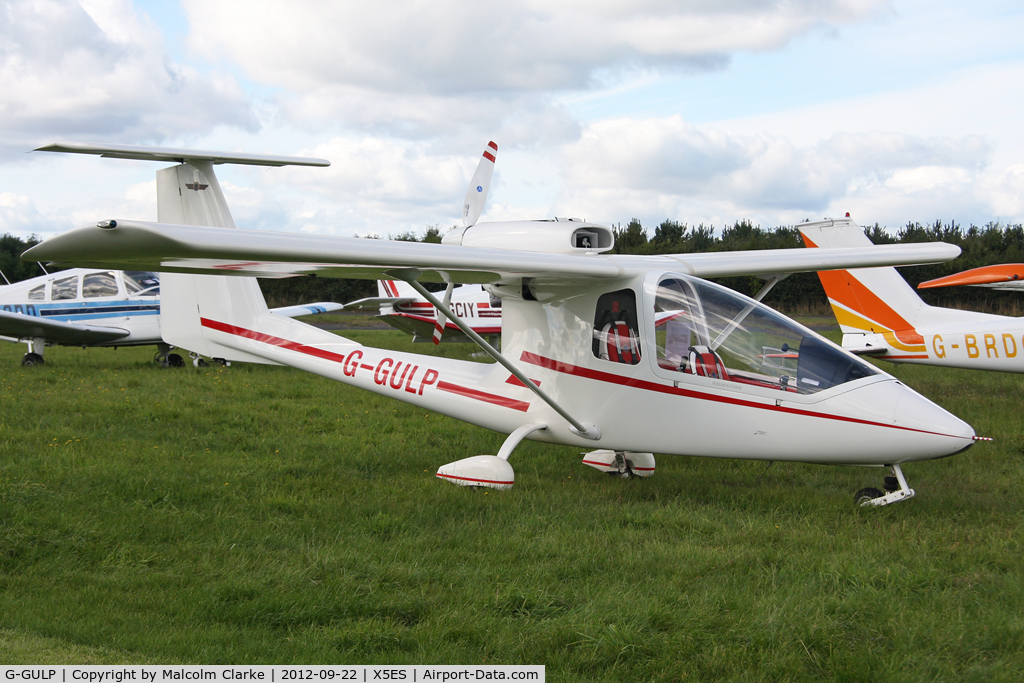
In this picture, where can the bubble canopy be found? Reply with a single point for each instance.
(704, 329)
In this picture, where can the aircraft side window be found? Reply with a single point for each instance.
(142, 283)
(95, 285)
(37, 293)
(65, 288)
(615, 328)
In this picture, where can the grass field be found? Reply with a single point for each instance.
(261, 515)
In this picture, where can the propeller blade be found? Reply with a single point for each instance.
(476, 195)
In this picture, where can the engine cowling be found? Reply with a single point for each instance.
(557, 236)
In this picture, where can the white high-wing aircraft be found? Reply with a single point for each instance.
(881, 315)
(89, 307)
(403, 308)
(582, 362)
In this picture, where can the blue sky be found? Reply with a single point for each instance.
(774, 112)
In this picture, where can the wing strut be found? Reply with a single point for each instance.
(410, 275)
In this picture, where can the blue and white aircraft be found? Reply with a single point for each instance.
(89, 307)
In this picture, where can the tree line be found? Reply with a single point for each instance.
(990, 244)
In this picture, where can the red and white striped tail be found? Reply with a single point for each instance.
(442, 319)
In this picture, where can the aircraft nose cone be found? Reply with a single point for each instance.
(914, 411)
(938, 432)
(918, 429)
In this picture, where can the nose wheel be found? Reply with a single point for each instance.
(896, 489)
(31, 359)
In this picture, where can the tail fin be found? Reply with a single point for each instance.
(865, 298)
(868, 300)
(476, 195)
(396, 289)
(189, 194)
(874, 300)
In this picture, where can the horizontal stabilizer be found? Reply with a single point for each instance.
(375, 302)
(867, 350)
(307, 309)
(21, 326)
(171, 154)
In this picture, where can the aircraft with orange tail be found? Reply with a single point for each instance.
(882, 316)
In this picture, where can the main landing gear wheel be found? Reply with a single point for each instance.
(622, 464)
(896, 489)
(165, 359)
(31, 359)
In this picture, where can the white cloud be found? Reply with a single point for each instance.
(1007, 191)
(449, 67)
(583, 97)
(18, 215)
(452, 46)
(641, 167)
(96, 70)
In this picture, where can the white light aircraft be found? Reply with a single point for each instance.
(583, 361)
(881, 315)
(403, 308)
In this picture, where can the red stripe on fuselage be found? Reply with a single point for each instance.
(483, 396)
(646, 385)
(272, 340)
(459, 390)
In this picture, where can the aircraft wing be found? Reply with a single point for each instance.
(1002, 276)
(138, 245)
(21, 326)
(307, 309)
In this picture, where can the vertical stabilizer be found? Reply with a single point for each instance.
(189, 194)
(396, 289)
(868, 300)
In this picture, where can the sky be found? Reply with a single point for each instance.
(773, 111)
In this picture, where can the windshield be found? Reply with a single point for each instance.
(141, 283)
(708, 330)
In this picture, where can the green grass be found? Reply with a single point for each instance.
(261, 515)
